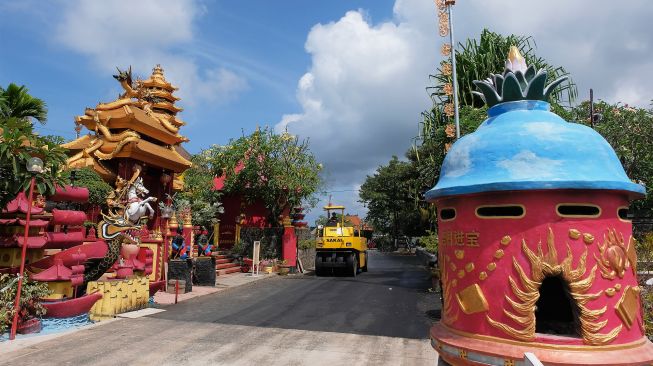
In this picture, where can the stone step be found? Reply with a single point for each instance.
(223, 260)
(223, 272)
(221, 256)
(226, 265)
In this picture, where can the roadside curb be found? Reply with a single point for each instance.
(430, 260)
(32, 340)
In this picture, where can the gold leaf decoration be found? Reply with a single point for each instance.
(498, 254)
(628, 306)
(526, 293)
(469, 267)
(505, 240)
(460, 254)
(472, 300)
(574, 234)
(491, 266)
(482, 276)
(449, 314)
(615, 255)
(588, 238)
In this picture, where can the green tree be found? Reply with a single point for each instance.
(630, 132)
(16, 102)
(475, 60)
(390, 195)
(278, 169)
(198, 190)
(19, 143)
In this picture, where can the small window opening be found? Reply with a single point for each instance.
(623, 213)
(447, 214)
(556, 312)
(578, 210)
(508, 211)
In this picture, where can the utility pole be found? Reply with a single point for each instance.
(450, 4)
(592, 107)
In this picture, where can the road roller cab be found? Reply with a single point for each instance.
(340, 248)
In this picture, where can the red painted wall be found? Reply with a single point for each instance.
(458, 248)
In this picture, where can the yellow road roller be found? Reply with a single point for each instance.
(340, 248)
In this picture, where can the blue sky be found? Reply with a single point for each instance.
(350, 75)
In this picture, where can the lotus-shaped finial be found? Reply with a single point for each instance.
(518, 82)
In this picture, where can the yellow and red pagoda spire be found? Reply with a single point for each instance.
(141, 124)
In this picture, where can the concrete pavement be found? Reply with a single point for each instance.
(379, 318)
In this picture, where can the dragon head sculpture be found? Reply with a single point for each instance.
(114, 225)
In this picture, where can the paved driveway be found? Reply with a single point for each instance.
(379, 318)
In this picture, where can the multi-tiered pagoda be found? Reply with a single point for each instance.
(134, 142)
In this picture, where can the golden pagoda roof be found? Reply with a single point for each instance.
(148, 152)
(79, 143)
(141, 125)
(167, 106)
(158, 80)
(162, 93)
(155, 155)
(129, 117)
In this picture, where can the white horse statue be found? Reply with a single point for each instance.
(137, 206)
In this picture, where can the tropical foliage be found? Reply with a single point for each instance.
(19, 143)
(203, 200)
(278, 169)
(477, 60)
(30, 294)
(630, 132)
(390, 195)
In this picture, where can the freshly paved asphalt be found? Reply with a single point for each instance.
(379, 317)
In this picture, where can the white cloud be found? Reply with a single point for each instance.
(143, 34)
(362, 96)
(526, 165)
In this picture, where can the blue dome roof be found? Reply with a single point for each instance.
(523, 146)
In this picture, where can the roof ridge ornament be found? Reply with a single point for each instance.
(518, 82)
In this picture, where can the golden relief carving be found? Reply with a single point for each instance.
(460, 254)
(588, 238)
(461, 273)
(449, 314)
(628, 306)
(469, 267)
(616, 256)
(453, 267)
(498, 254)
(545, 265)
(482, 276)
(505, 240)
(491, 266)
(574, 234)
(472, 300)
(610, 291)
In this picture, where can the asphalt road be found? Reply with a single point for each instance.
(381, 317)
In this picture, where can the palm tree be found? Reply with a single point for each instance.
(15, 102)
(476, 60)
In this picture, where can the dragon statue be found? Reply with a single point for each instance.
(122, 224)
(114, 229)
